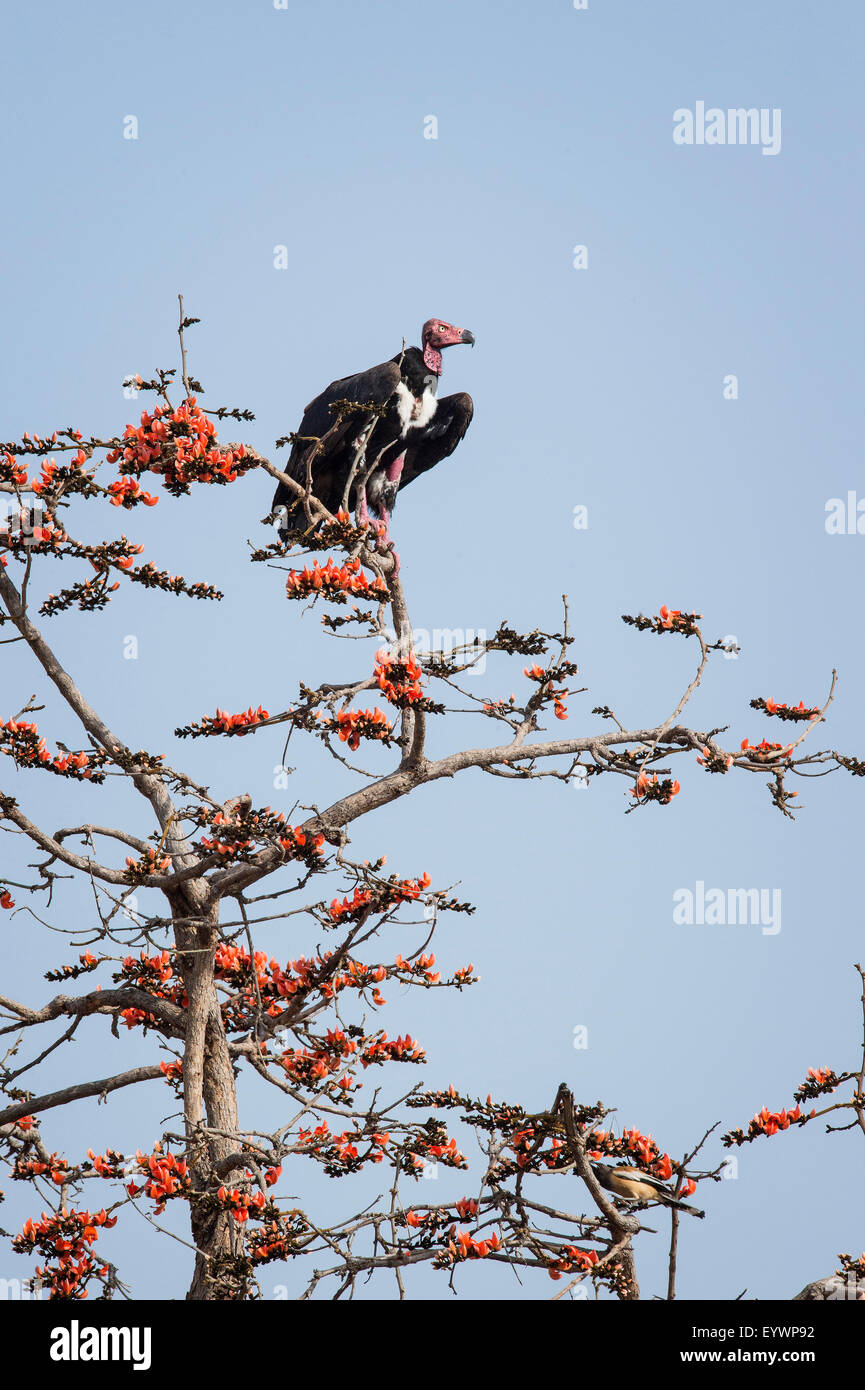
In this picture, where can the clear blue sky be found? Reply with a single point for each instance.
(304, 128)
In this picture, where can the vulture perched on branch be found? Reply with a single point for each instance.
(366, 436)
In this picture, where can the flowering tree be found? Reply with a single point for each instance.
(186, 971)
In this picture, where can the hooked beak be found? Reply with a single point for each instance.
(467, 337)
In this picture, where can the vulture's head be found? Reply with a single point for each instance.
(435, 335)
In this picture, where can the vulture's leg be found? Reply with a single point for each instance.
(394, 470)
(393, 473)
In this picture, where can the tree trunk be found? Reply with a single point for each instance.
(209, 1103)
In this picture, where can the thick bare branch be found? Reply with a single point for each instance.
(79, 1091)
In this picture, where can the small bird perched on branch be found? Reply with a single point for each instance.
(386, 427)
(636, 1186)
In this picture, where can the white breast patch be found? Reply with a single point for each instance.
(414, 413)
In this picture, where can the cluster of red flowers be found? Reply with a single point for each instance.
(56, 1167)
(448, 1153)
(148, 971)
(7, 900)
(108, 1165)
(650, 789)
(298, 844)
(856, 1268)
(11, 471)
(769, 1122)
(224, 723)
(820, 1075)
(549, 691)
(154, 974)
(798, 713)
(432, 1221)
(766, 1122)
(228, 849)
(150, 862)
(715, 762)
(522, 1140)
(355, 724)
(382, 896)
(461, 1245)
(405, 890)
(166, 1176)
(399, 681)
(384, 1049)
(127, 492)
(336, 582)
(819, 1082)
(134, 1018)
(464, 975)
(48, 538)
(276, 1239)
(338, 1152)
(276, 985)
(673, 618)
(236, 835)
(764, 751)
(668, 620)
(643, 1148)
(243, 1204)
(67, 1237)
(86, 962)
(20, 740)
(572, 1258)
(423, 968)
(310, 1065)
(351, 907)
(234, 964)
(53, 475)
(180, 444)
(634, 1144)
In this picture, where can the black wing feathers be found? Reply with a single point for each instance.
(440, 437)
(331, 466)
